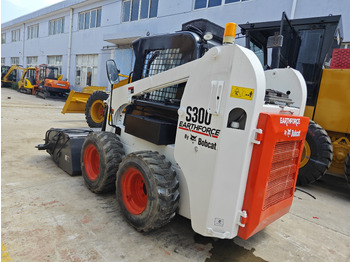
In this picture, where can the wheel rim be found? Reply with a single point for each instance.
(92, 162)
(97, 108)
(134, 191)
(305, 155)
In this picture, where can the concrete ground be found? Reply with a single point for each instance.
(47, 215)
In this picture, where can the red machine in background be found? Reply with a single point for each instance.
(43, 81)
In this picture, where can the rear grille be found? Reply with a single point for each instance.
(340, 59)
(283, 173)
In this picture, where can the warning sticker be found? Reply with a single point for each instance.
(242, 93)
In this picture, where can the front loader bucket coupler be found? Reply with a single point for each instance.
(273, 170)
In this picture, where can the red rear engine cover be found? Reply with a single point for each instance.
(273, 170)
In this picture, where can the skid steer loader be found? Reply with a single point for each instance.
(202, 131)
(311, 46)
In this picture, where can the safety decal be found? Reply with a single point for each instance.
(242, 93)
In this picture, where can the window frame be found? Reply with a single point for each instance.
(150, 11)
(30, 60)
(16, 35)
(223, 2)
(54, 28)
(14, 58)
(3, 38)
(58, 62)
(82, 22)
(86, 70)
(33, 31)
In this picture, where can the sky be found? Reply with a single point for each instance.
(11, 9)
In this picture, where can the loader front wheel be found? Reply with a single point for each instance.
(147, 190)
(347, 168)
(101, 155)
(94, 109)
(317, 155)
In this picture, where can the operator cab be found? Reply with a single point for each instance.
(303, 44)
(4, 70)
(30, 75)
(48, 72)
(156, 111)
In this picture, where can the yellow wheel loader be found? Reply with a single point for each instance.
(310, 46)
(91, 102)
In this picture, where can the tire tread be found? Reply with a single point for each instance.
(319, 161)
(167, 189)
(97, 95)
(112, 149)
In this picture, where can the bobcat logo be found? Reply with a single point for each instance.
(193, 138)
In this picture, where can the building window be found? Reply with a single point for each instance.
(16, 35)
(206, 3)
(86, 70)
(90, 19)
(33, 31)
(198, 4)
(2, 60)
(55, 60)
(56, 26)
(14, 60)
(345, 45)
(32, 61)
(139, 9)
(3, 38)
(233, 1)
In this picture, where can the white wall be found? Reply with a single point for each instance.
(171, 15)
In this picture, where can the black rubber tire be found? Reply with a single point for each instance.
(160, 186)
(347, 168)
(321, 155)
(95, 96)
(100, 176)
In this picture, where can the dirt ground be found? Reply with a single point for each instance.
(46, 215)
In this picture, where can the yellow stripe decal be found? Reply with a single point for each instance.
(242, 93)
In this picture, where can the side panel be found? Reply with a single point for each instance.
(273, 171)
(333, 107)
(309, 111)
(214, 156)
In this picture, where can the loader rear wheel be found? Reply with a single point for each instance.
(347, 168)
(147, 190)
(94, 109)
(101, 155)
(317, 155)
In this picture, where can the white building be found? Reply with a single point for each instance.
(80, 35)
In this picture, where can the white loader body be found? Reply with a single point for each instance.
(212, 153)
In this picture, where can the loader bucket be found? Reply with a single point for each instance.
(76, 101)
